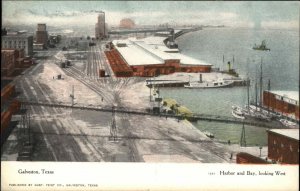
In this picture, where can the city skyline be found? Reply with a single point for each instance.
(282, 15)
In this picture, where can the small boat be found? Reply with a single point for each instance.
(211, 84)
(261, 47)
(288, 123)
(208, 134)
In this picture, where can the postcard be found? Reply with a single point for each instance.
(149, 95)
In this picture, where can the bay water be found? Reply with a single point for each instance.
(280, 65)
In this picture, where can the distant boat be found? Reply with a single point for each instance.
(212, 84)
(263, 46)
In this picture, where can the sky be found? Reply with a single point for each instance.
(260, 14)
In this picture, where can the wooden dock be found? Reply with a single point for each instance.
(192, 117)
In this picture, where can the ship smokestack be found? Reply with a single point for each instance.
(229, 66)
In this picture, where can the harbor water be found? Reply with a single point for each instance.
(280, 65)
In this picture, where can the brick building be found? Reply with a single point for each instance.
(283, 148)
(101, 27)
(42, 34)
(13, 60)
(140, 58)
(8, 62)
(283, 102)
(246, 158)
(283, 145)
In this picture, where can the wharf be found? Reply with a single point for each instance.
(183, 113)
(165, 83)
(180, 79)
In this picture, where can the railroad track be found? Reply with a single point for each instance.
(95, 87)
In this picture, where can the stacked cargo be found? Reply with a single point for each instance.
(118, 65)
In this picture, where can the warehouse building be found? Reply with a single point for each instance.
(283, 145)
(283, 148)
(143, 58)
(283, 102)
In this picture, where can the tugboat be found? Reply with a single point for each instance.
(210, 84)
(261, 47)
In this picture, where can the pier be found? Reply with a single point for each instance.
(191, 117)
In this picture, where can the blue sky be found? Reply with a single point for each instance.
(232, 13)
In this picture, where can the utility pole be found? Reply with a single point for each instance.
(28, 126)
(150, 87)
(72, 96)
(223, 60)
(113, 127)
(255, 95)
(243, 137)
(248, 86)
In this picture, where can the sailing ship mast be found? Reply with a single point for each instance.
(248, 85)
(269, 88)
(261, 82)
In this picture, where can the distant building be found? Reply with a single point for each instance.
(13, 60)
(283, 145)
(38, 46)
(18, 41)
(83, 45)
(3, 31)
(101, 27)
(54, 39)
(41, 34)
(127, 23)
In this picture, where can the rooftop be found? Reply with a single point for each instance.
(149, 51)
(135, 55)
(16, 34)
(289, 94)
(186, 60)
(291, 133)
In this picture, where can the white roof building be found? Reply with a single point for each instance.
(151, 50)
(288, 96)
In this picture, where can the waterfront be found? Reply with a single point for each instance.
(210, 45)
